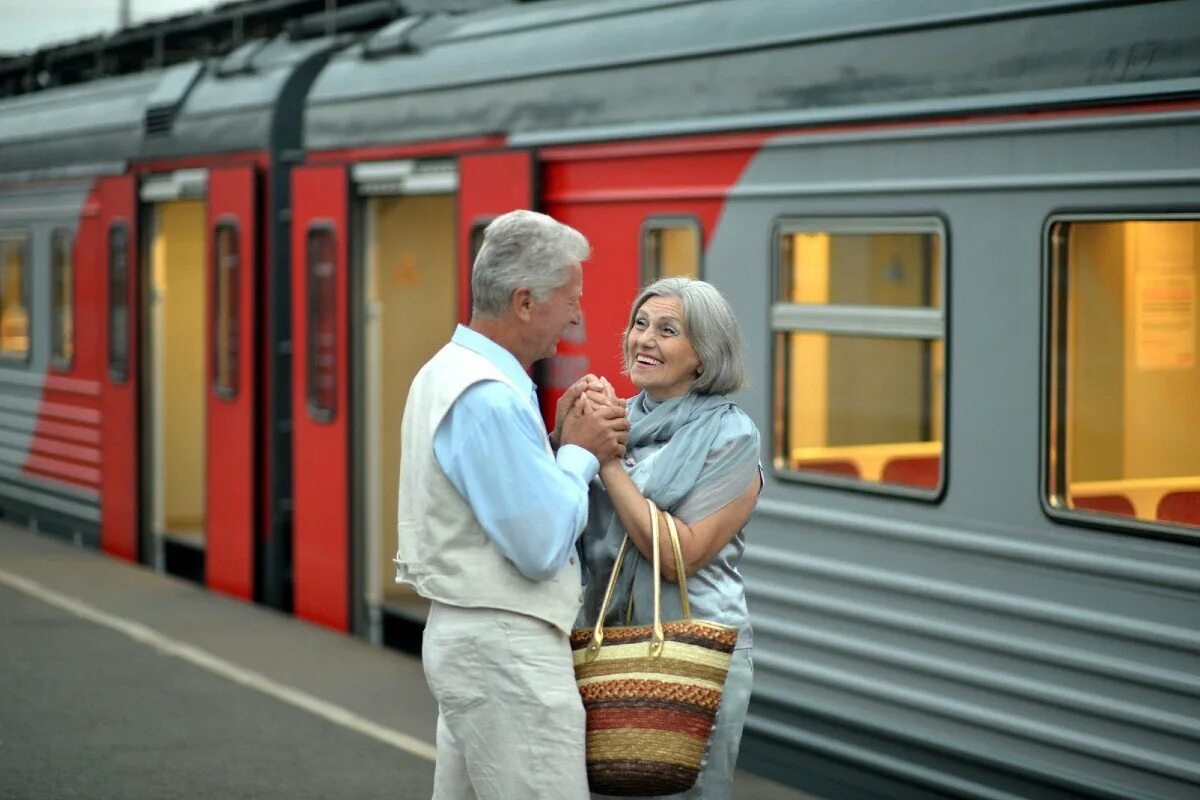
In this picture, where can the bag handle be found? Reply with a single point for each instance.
(656, 642)
(683, 598)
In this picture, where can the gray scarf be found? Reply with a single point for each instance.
(690, 423)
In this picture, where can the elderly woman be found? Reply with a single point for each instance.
(696, 455)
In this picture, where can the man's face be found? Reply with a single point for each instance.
(559, 312)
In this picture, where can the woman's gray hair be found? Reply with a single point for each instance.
(711, 327)
(523, 249)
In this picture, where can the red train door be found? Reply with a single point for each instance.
(120, 443)
(489, 184)
(320, 371)
(232, 371)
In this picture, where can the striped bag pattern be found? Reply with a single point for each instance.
(651, 692)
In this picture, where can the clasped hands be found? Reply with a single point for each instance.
(590, 415)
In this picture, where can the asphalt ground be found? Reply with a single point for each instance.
(119, 682)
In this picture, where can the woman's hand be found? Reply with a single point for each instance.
(594, 391)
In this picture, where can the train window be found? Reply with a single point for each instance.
(14, 296)
(226, 309)
(1124, 376)
(860, 353)
(118, 302)
(671, 248)
(62, 279)
(322, 351)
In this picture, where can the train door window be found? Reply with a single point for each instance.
(1124, 371)
(476, 244)
(671, 248)
(322, 366)
(118, 302)
(62, 279)
(859, 352)
(14, 296)
(226, 319)
(477, 231)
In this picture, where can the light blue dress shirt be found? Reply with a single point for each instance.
(532, 505)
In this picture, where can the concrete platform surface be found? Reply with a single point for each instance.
(120, 682)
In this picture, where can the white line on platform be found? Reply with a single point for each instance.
(206, 660)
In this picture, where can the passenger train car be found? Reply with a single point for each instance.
(143, 373)
(962, 239)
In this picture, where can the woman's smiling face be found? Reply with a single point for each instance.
(659, 357)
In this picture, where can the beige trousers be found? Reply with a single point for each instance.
(510, 721)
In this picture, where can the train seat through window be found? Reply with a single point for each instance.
(922, 471)
(1105, 503)
(1180, 507)
(833, 466)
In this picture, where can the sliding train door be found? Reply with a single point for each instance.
(119, 386)
(174, 408)
(320, 444)
(407, 284)
(231, 385)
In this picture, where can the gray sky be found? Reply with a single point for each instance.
(30, 24)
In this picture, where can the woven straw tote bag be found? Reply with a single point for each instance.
(651, 692)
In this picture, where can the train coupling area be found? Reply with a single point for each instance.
(118, 681)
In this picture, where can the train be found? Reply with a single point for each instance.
(962, 238)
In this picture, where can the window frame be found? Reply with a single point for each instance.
(226, 392)
(883, 322)
(1053, 345)
(118, 373)
(22, 235)
(662, 222)
(58, 362)
(317, 413)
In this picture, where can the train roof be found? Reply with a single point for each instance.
(194, 108)
(231, 105)
(575, 71)
(85, 128)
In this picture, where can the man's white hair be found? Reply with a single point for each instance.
(523, 249)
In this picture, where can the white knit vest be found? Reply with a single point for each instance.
(443, 551)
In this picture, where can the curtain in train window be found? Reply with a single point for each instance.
(671, 248)
(226, 309)
(1124, 406)
(14, 296)
(859, 333)
(118, 302)
(62, 280)
(322, 367)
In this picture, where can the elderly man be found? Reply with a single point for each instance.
(489, 517)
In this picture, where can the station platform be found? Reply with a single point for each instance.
(120, 682)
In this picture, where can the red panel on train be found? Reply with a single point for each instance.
(232, 372)
(119, 392)
(320, 400)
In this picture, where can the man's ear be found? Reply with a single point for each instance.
(521, 304)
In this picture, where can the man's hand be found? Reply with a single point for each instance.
(598, 391)
(601, 429)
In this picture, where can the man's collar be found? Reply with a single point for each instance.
(505, 361)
